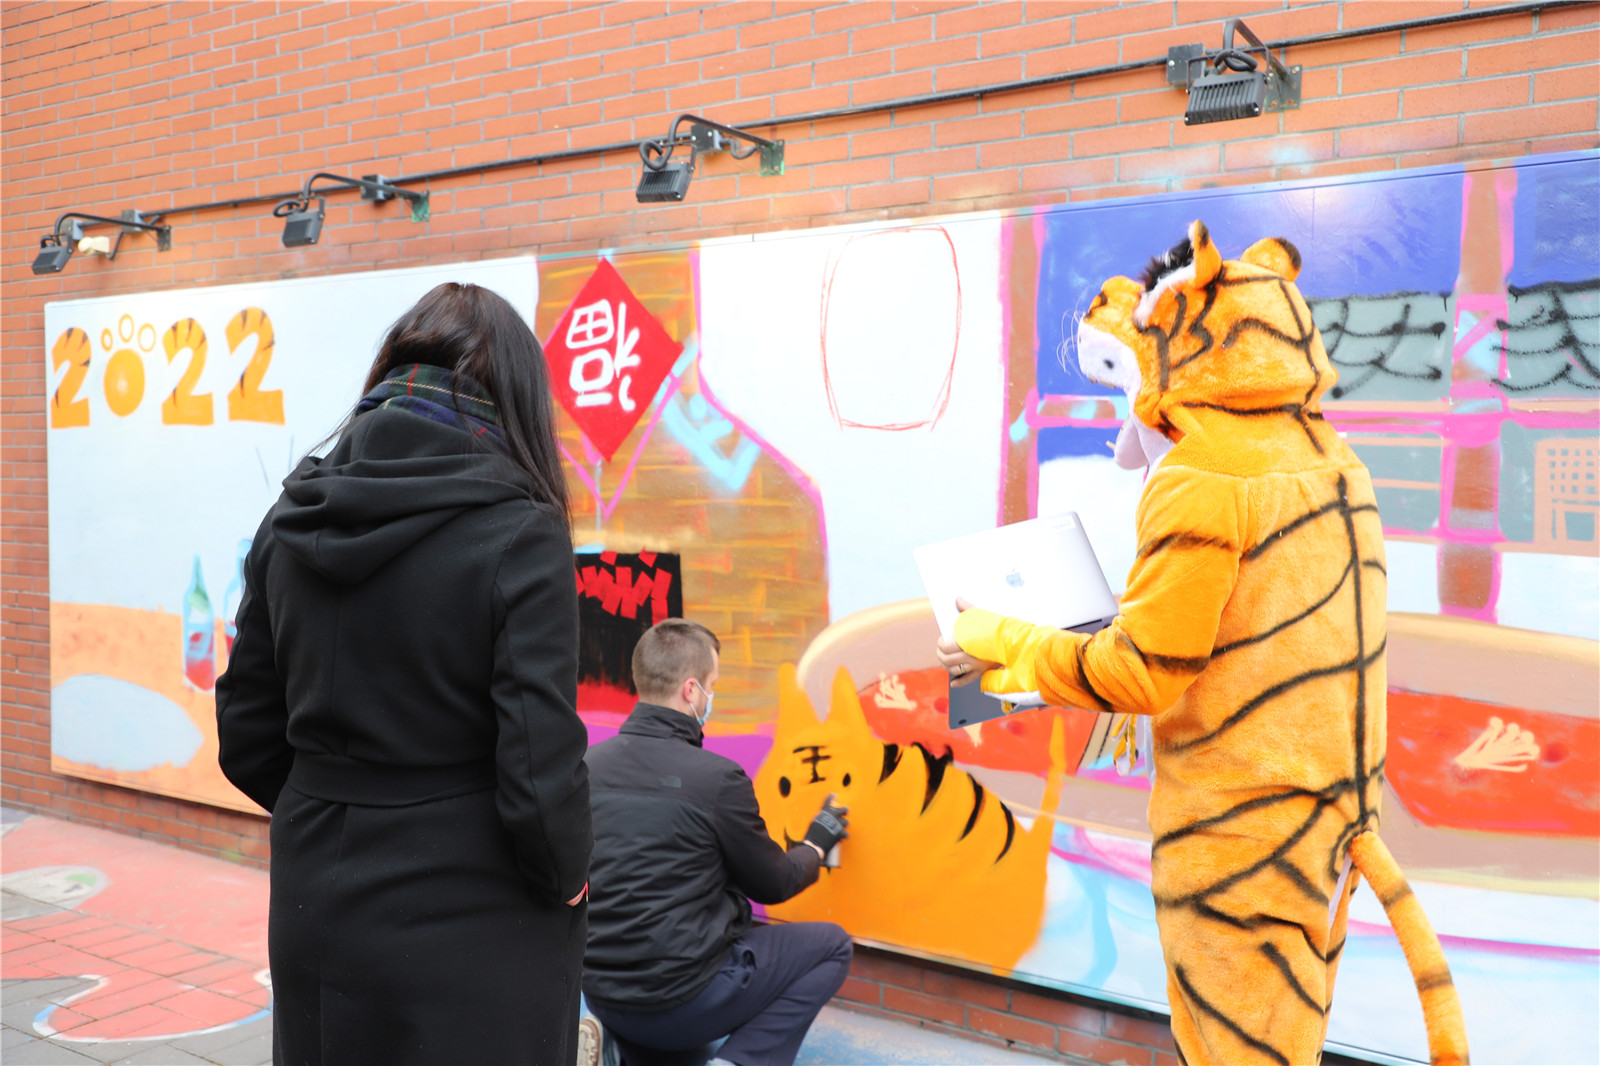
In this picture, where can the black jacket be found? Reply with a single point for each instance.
(679, 844)
(401, 696)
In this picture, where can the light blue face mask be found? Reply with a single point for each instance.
(704, 717)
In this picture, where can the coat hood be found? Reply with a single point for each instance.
(393, 478)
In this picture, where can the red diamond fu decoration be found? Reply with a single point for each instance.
(607, 357)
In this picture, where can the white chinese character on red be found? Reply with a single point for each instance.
(590, 325)
(594, 368)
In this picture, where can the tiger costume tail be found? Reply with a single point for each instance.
(1441, 1005)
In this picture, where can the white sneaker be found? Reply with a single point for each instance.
(589, 1042)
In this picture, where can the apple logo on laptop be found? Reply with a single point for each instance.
(1014, 579)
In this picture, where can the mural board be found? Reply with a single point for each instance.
(173, 417)
(828, 399)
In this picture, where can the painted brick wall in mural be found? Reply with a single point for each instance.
(825, 400)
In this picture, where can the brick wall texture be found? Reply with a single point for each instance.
(1005, 1013)
(129, 104)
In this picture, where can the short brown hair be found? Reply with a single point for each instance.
(670, 653)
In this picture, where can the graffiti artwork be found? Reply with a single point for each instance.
(799, 410)
(173, 418)
(619, 597)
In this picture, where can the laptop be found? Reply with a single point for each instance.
(1043, 571)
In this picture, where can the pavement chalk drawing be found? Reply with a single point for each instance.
(829, 398)
(168, 944)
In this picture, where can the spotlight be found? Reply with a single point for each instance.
(665, 181)
(667, 185)
(303, 222)
(55, 248)
(1230, 85)
(53, 255)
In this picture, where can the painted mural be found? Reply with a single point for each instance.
(173, 416)
(758, 431)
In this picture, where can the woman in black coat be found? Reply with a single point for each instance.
(401, 697)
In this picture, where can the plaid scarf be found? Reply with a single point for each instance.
(438, 394)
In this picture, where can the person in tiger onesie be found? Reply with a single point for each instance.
(1252, 633)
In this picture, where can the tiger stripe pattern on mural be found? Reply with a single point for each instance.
(933, 857)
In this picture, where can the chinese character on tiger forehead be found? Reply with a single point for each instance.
(1252, 633)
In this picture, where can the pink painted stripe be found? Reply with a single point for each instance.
(1554, 952)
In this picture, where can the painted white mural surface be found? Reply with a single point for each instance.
(839, 396)
(174, 416)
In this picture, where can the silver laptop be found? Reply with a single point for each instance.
(1042, 571)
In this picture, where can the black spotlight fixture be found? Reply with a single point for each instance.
(667, 181)
(302, 216)
(55, 248)
(1230, 84)
(53, 255)
(302, 223)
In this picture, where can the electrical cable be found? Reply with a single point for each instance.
(924, 100)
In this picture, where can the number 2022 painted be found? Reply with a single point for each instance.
(124, 375)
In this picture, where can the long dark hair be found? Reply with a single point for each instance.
(476, 332)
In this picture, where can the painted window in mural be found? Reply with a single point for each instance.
(826, 400)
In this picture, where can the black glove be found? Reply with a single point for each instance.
(829, 826)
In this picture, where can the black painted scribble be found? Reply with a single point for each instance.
(1394, 346)
(619, 597)
(1552, 343)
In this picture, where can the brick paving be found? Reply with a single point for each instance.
(115, 949)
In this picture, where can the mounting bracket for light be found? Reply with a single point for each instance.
(666, 181)
(1229, 84)
(374, 189)
(54, 252)
(303, 215)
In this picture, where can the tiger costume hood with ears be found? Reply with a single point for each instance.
(1191, 308)
(1252, 633)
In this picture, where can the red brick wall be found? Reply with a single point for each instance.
(1006, 1013)
(115, 105)
(1011, 1014)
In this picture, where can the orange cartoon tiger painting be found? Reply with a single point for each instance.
(933, 858)
(1253, 633)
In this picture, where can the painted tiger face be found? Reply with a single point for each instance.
(933, 859)
(1207, 333)
(812, 759)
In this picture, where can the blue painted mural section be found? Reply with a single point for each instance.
(1058, 442)
(115, 724)
(1361, 236)
(1557, 219)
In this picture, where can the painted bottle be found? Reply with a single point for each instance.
(199, 634)
(235, 594)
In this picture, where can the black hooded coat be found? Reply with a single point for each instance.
(401, 696)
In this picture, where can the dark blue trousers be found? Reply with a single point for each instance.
(776, 980)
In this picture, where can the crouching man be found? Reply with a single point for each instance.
(673, 962)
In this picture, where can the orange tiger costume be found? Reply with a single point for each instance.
(1253, 632)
